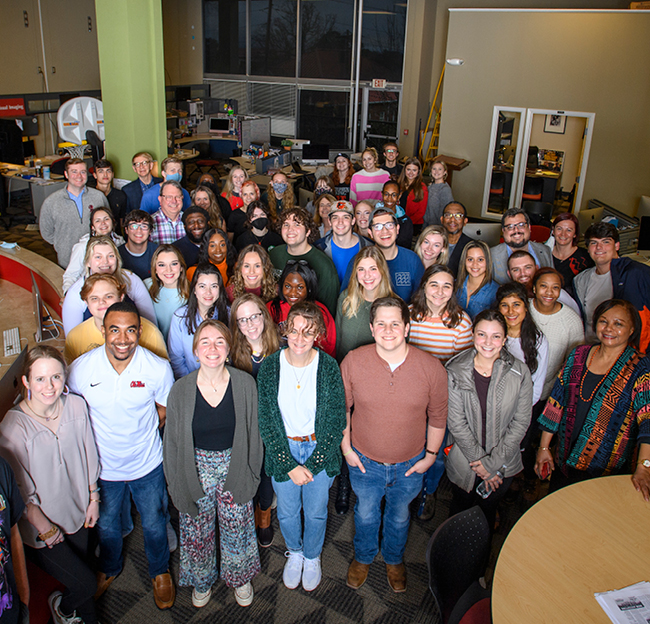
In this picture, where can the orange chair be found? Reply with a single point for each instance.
(533, 189)
(539, 233)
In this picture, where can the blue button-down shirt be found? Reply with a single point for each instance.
(78, 200)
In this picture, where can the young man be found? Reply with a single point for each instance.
(142, 164)
(391, 153)
(341, 244)
(299, 232)
(522, 268)
(65, 214)
(393, 436)
(138, 250)
(103, 181)
(620, 278)
(515, 226)
(168, 225)
(454, 219)
(390, 194)
(195, 220)
(405, 267)
(126, 388)
(172, 171)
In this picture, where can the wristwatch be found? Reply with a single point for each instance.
(645, 463)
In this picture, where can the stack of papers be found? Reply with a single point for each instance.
(628, 605)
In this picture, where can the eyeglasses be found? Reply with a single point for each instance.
(453, 215)
(515, 226)
(139, 226)
(172, 199)
(253, 319)
(144, 163)
(391, 151)
(378, 227)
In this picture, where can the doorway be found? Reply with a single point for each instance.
(379, 117)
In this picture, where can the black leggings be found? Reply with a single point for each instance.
(264, 496)
(66, 562)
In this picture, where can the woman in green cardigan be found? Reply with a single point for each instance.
(301, 420)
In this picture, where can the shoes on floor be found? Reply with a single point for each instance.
(200, 599)
(244, 594)
(396, 575)
(311, 574)
(103, 583)
(292, 574)
(172, 538)
(164, 592)
(428, 510)
(357, 574)
(54, 602)
(263, 526)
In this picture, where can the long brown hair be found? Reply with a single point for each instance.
(417, 186)
(462, 266)
(288, 199)
(269, 285)
(38, 353)
(241, 352)
(183, 286)
(452, 314)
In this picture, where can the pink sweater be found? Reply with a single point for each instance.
(367, 186)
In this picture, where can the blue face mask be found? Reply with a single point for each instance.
(280, 187)
(174, 177)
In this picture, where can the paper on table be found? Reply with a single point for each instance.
(630, 605)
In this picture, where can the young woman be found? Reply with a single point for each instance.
(323, 185)
(203, 197)
(48, 441)
(568, 258)
(524, 340)
(439, 194)
(207, 300)
(216, 249)
(168, 285)
(321, 217)
(250, 192)
(370, 280)
(475, 288)
(253, 274)
(298, 283)
(212, 458)
(258, 228)
(342, 176)
(254, 337)
(432, 246)
(232, 188)
(102, 256)
(101, 224)
(368, 183)
(415, 194)
(302, 417)
(490, 400)
(280, 195)
(362, 212)
(559, 323)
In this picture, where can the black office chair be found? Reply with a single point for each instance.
(457, 556)
(540, 209)
(533, 157)
(473, 607)
(498, 187)
(96, 145)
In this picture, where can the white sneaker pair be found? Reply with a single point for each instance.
(298, 569)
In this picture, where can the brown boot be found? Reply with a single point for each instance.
(357, 574)
(396, 577)
(264, 528)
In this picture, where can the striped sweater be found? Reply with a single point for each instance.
(432, 336)
(366, 186)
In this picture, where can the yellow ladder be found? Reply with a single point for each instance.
(435, 109)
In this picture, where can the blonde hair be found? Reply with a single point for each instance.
(433, 229)
(354, 297)
(215, 218)
(93, 242)
(373, 152)
(228, 186)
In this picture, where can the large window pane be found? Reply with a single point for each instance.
(273, 37)
(326, 38)
(323, 117)
(224, 34)
(382, 39)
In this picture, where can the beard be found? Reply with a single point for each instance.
(518, 245)
(193, 239)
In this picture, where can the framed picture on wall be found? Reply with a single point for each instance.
(556, 124)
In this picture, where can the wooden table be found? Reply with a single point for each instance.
(589, 537)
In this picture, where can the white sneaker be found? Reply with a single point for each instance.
(172, 539)
(311, 574)
(54, 601)
(200, 599)
(244, 594)
(292, 569)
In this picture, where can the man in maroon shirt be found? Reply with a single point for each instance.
(393, 436)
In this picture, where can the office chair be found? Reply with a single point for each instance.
(538, 208)
(204, 160)
(473, 607)
(456, 556)
(539, 233)
(533, 189)
(497, 186)
(96, 145)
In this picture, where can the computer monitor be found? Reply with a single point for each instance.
(644, 237)
(489, 233)
(46, 328)
(10, 382)
(589, 217)
(315, 153)
(219, 125)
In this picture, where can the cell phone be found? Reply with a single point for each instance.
(545, 471)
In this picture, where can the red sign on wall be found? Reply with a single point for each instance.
(12, 107)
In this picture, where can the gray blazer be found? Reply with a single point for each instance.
(509, 406)
(500, 259)
(178, 443)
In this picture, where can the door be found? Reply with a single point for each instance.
(379, 118)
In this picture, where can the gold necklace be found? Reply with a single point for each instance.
(46, 418)
(293, 370)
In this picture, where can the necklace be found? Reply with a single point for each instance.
(584, 375)
(45, 418)
(257, 357)
(205, 380)
(293, 369)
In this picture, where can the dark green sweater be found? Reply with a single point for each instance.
(329, 424)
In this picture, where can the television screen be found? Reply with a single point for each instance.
(219, 124)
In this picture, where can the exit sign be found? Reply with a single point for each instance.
(378, 83)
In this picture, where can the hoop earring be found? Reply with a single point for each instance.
(66, 390)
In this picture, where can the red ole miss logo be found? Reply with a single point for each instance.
(137, 384)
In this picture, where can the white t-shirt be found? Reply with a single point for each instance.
(599, 289)
(539, 376)
(123, 410)
(298, 405)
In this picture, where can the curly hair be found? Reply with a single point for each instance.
(288, 198)
(302, 217)
(269, 285)
(311, 313)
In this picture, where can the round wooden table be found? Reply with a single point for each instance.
(589, 537)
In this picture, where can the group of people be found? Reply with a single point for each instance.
(233, 351)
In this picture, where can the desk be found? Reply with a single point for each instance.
(586, 538)
(225, 146)
(550, 181)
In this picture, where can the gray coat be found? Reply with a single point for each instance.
(500, 259)
(509, 406)
(178, 444)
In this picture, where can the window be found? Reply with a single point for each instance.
(273, 37)
(323, 117)
(224, 35)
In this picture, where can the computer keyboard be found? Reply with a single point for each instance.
(11, 339)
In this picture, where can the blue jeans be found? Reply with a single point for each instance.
(377, 482)
(312, 498)
(150, 496)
